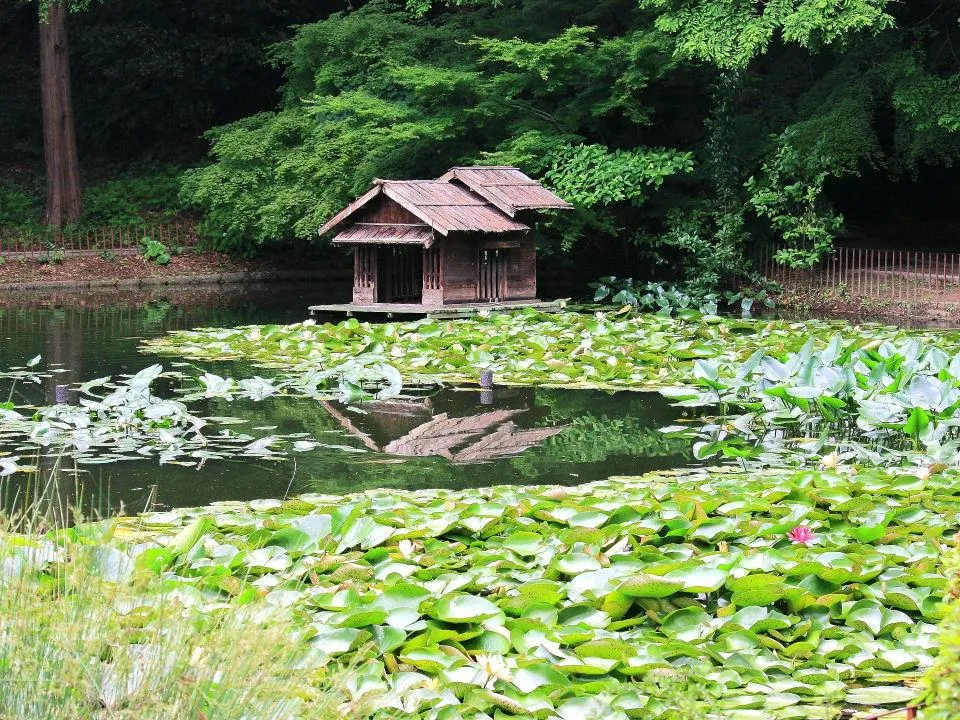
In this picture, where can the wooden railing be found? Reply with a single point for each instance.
(93, 240)
(904, 276)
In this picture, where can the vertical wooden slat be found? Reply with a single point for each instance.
(916, 275)
(859, 275)
(900, 270)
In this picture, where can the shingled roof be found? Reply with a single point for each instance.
(507, 188)
(462, 200)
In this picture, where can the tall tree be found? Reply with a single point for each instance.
(64, 199)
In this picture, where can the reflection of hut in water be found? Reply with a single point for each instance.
(414, 428)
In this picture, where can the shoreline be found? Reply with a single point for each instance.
(229, 278)
(937, 313)
(96, 272)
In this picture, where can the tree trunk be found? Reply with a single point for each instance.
(64, 202)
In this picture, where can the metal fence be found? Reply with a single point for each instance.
(94, 240)
(905, 276)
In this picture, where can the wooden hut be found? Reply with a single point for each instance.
(464, 239)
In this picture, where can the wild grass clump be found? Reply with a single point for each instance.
(87, 633)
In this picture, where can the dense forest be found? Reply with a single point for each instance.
(686, 132)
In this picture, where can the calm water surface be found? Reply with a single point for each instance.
(449, 437)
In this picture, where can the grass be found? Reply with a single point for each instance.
(86, 634)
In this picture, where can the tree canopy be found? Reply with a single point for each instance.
(685, 131)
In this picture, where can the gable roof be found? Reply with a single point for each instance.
(446, 207)
(463, 200)
(507, 188)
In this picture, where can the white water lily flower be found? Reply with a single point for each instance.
(494, 667)
(923, 473)
(406, 548)
(254, 335)
(257, 388)
(830, 461)
(217, 386)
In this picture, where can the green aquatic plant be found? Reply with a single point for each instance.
(610, 350)
(941, 683)
(900, 395)
(128, 418)
(547, 600)
(667, 299)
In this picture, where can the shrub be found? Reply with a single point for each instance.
(155, 251)
(942, 681)
(127, 198)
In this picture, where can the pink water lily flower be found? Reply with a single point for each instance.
(801, 535)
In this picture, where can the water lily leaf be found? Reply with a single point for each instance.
(430, 660)
(523, 543)
(881, 695)
(687, 624)
(698, 579)
(529, 678)
(575, 563)
(643, 585)
(358, 617)
(154, 560)
(336, 641)
(464, 608)
(290, 539)
(111, 564)
(756, 589)
(588, 708)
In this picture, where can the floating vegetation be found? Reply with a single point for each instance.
(126, 418)
(572, 350)
(781, 595)
(770, 588)
(888, 403)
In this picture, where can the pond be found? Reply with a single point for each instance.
(443, 437)
(525, 544)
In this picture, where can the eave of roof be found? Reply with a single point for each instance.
(385, 234)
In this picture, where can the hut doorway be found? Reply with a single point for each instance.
(400, 274)
(492, 267)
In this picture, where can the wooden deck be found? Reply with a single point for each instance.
(459, 310)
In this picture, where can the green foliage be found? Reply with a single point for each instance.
(373, 93)
(52, 256)
(941, 682)
(790, 194)
(87, 630)
(684, 131)
(731, 33)
(667, 299)
(19, 204)
(658, 579)
(154, 251)
(604, 350)
(127, 198)
(589, 175)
